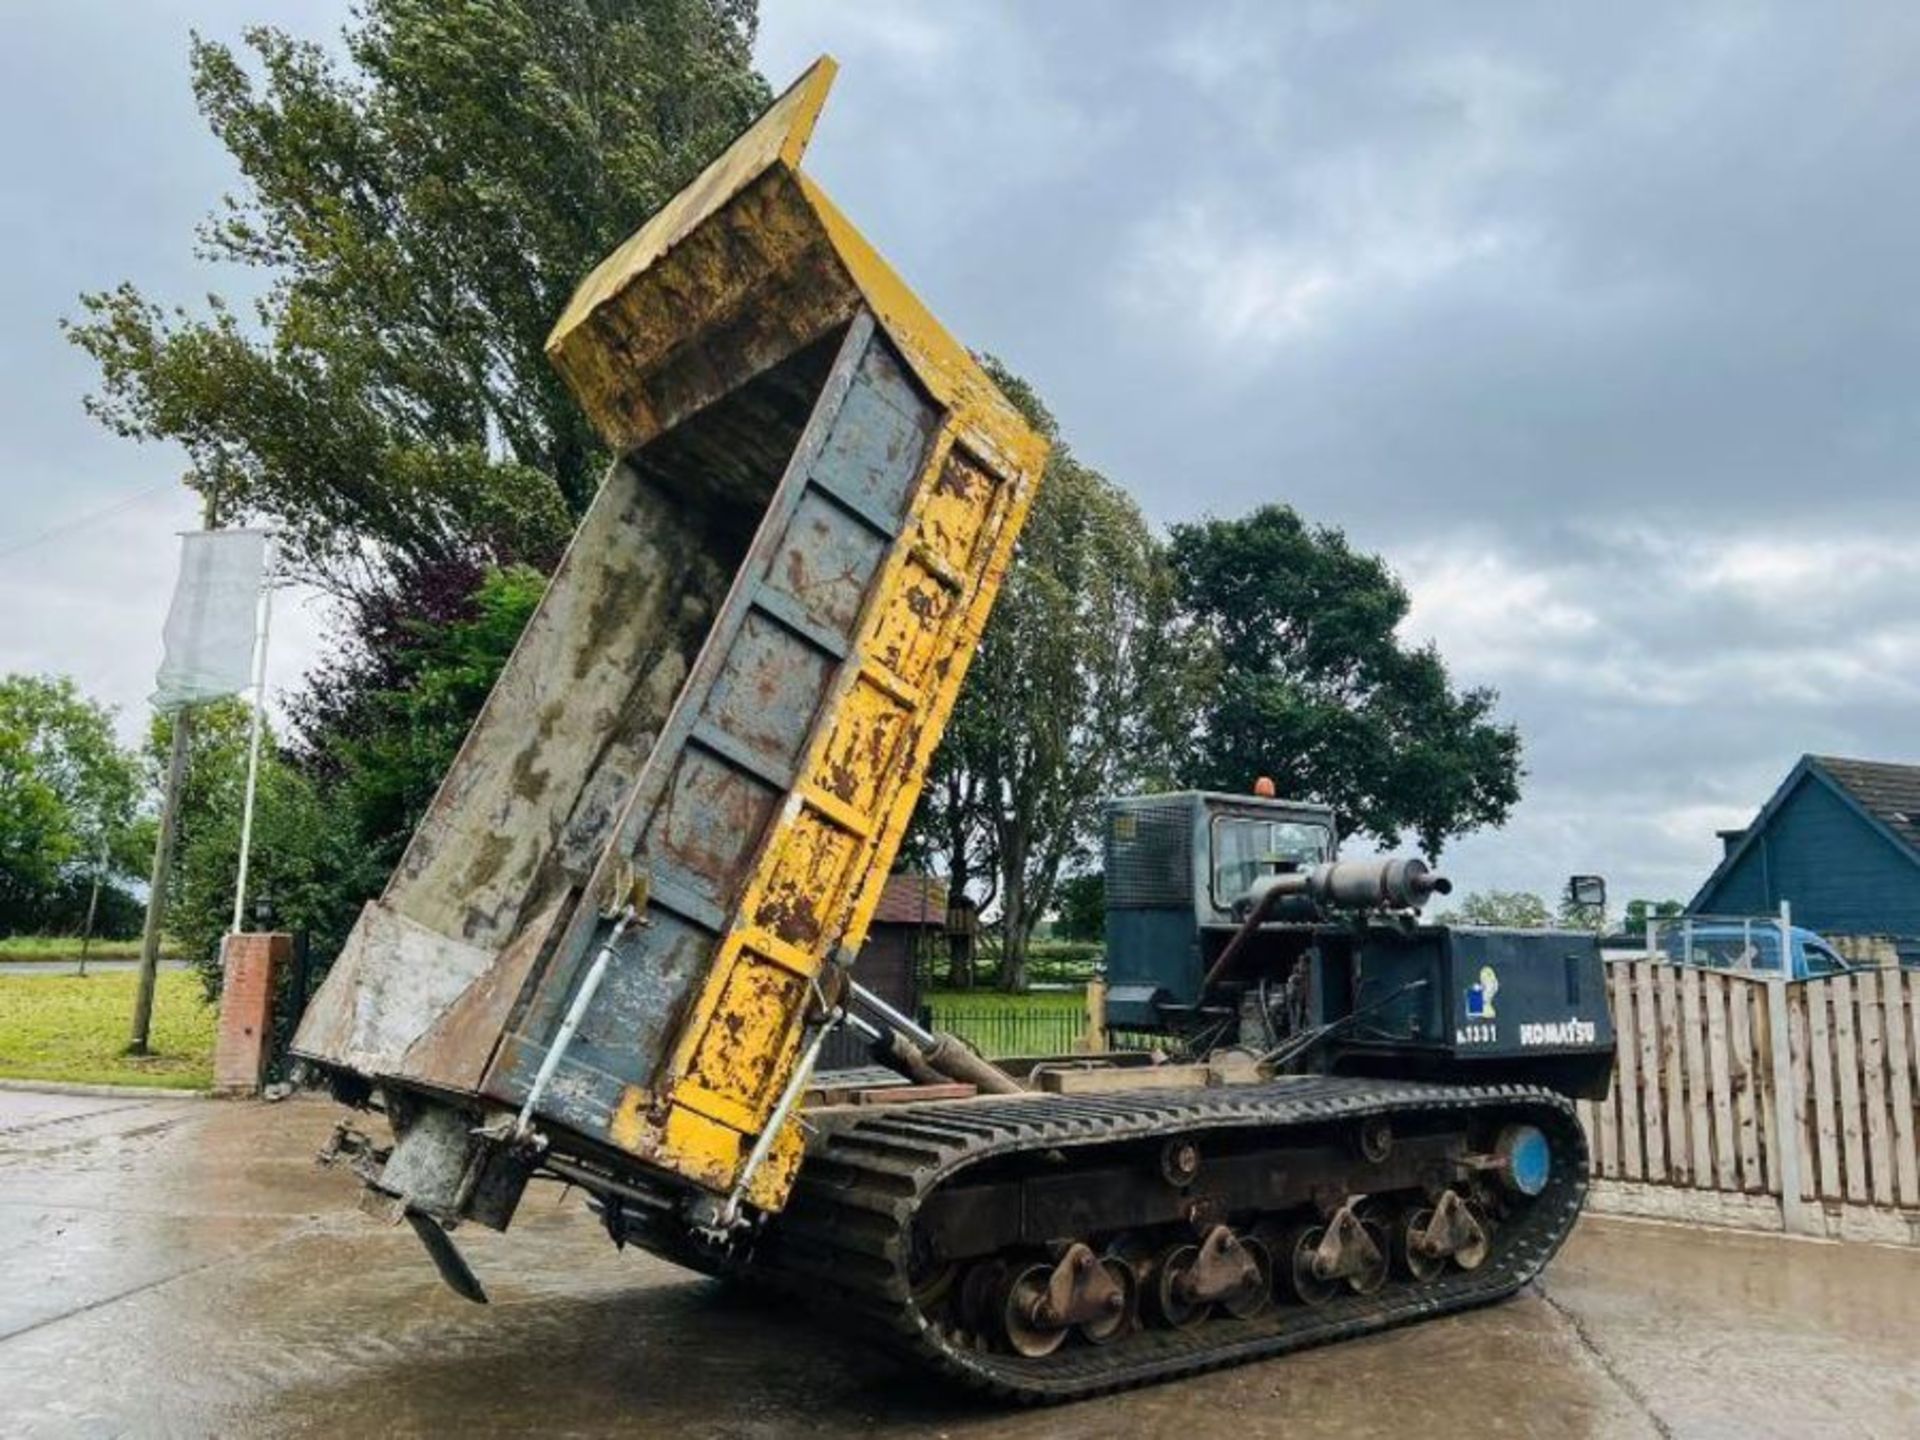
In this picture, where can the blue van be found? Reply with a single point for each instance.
(1753, 947)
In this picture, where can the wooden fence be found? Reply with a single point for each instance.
(1695, 1105)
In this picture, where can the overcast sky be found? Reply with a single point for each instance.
(1599, 322)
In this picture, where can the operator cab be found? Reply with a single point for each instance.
(1176, 864)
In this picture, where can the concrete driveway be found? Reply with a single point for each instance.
(180, 1267)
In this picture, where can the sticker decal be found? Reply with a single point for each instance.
(1480, 994)
(1480, 1029)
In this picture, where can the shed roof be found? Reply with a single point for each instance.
(912, 900)
(1885, 794)
(1889, 793)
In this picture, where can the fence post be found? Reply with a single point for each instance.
(1796, 1217)
(1096, 1037)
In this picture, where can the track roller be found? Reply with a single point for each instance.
(1041, 1303)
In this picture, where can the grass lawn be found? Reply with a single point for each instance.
(67, 947)
(73, 1027)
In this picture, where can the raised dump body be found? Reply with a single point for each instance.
(721, 713)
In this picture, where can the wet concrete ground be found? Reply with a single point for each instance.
(181, 1268)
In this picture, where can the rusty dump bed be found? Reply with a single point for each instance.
(730, 691)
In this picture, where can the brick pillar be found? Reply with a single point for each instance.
(253, 964)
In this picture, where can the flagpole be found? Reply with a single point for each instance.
(253, 753)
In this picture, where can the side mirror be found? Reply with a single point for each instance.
(1587, 891)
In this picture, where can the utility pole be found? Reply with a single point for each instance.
(157, 893)
(163, 858)
(93, 906)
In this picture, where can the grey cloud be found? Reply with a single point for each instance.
(1601, 321)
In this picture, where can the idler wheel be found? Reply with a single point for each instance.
(1374, 1140)
(1179, 1163)
(1167, 1292)
(1024, 1334)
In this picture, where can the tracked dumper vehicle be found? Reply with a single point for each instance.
(619, 938)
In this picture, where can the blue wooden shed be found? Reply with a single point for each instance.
(1839, 841)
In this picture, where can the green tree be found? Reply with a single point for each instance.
(1082, 901)
(1506, 909)
(422, 214)
(288, 859)
(68, 799)
(1639, 912)
(1309, 682)
(1071, 696)
(1572, 915)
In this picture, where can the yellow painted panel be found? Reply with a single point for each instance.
(775, 1178)
(867, 732)
(804, 874)
(1006, 515)
(907, 632)
(953, 518)
(754, 1026)
(703, 1150)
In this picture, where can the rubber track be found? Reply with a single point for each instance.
(842, 1240)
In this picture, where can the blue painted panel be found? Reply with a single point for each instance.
(1841, 875)
(1154, 947)
(705, 829)
(825, 565)
(878, 441)
(766, 693)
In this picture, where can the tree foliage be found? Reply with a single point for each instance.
(295, 852)
(421, 215)
(1082, 901)
(1309, 682)
(1505, 909)
(1639, 912)
(418, 205)
(68, 803)
(1573, 915)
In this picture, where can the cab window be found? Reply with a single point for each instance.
(1245, 848)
